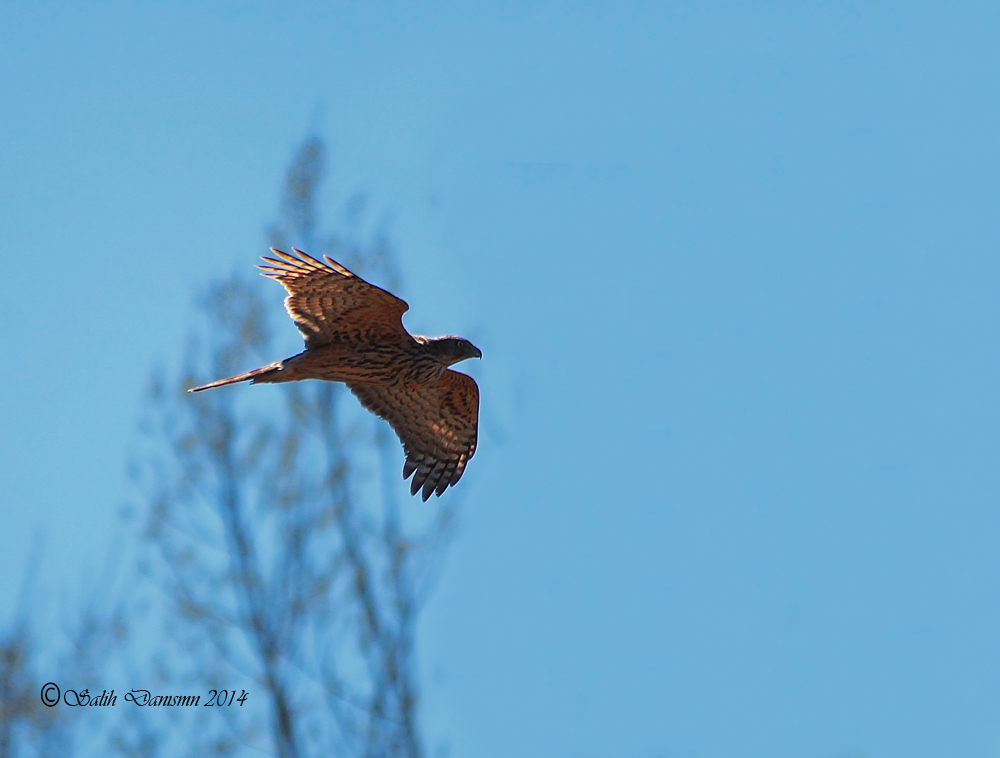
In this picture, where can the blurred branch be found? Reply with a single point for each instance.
(280, 546)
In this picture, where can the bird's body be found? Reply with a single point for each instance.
(354, 334)
(349, 362)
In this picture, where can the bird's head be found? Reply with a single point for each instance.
(451, 350)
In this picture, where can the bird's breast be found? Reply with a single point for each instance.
(367, 363)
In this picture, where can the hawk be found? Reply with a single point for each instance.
(354, 334)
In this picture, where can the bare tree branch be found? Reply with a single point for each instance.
(279, 543)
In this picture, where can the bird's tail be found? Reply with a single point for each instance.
(263, 374)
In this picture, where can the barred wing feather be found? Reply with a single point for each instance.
(437, 424)
(329, 303)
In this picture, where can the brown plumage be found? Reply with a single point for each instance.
(354, 334)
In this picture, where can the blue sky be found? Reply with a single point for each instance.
(733, 270)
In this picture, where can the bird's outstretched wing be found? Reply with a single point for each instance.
(437, 424)
(328, 303)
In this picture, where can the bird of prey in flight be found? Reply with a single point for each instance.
(354, 334)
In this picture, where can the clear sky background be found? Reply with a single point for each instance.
(734, 272)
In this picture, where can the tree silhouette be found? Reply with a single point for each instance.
(289, 570)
